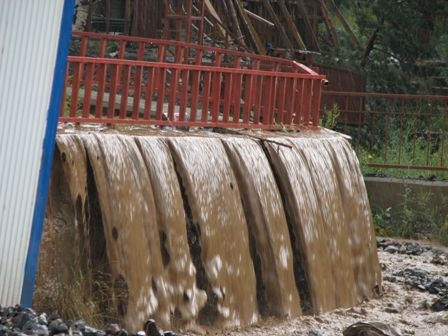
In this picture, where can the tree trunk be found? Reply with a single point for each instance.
(370, 45)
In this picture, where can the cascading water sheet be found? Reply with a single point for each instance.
(313, 264)
(185, 298)
(66, 227)
(212, 228)
(337, 238)
(218, 228)
(272, 252)
(130, 228)
(73, 158)
(357, 217)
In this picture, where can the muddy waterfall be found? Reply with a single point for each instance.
(209, 228)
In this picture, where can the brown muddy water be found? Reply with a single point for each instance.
(209, 228)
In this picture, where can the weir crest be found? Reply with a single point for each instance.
(210, 228)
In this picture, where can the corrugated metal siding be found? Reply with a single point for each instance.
(29, 32)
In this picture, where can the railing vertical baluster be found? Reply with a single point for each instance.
(372, 126)
(195, 90)
(387, 127)
(273, 109)
(174, 84)
(141, 51)
(429, 135)
(257, 98)
(184, 94)
(62, 110)
(290, 103)
(121, 49)
(346, 112)
(361, 119)
(415, 128)
(159, 81)
(306, 101)
(125, 91)
(216, 89)
(148, 94)
(247, 97)
(161, 53)
(227, 96)
(102, 48)
(101, 78)
(299, 109)
(316, 99)
(194, 94)
(236, 92)
(249, 93)
(161, 93)
(444, 134)
(87, 90)
(84, 46)
(264, 113)
(115, 76)
(281, 93)
(156, 85)
(75, 88)
(137, 91)
(206, 96)
(268, 115)
(401, 131)
(173, 93)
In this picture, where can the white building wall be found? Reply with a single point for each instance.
(29, 38)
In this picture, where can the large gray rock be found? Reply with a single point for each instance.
(370, 328)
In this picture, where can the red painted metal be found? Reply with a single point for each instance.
(159, 82)
(396, 130)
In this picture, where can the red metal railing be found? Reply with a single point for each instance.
(123, 79)
(394, 130)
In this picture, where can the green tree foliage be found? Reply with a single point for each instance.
(398, 39)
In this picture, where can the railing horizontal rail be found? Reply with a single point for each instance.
(386, 95)
(192, 67)
(393, 130)
(139, 48)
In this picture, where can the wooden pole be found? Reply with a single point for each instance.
(233, 14)
(308, 25)
(291, 26)
(107, 28)
(259, 46)
(188, 21)
(127, 16)
(89, 16)
(259, 18)
(344, 23)
(281, 29)
(166, 22)
(329, 23)
(201, 23)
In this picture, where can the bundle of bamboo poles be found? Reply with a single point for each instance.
(252, 25)
(256, 25)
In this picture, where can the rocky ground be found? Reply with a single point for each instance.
(415, 302)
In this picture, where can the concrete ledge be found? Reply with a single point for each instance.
(385, 192)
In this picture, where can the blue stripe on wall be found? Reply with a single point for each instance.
(47, 155)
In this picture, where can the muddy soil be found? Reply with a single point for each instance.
(403, 306)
